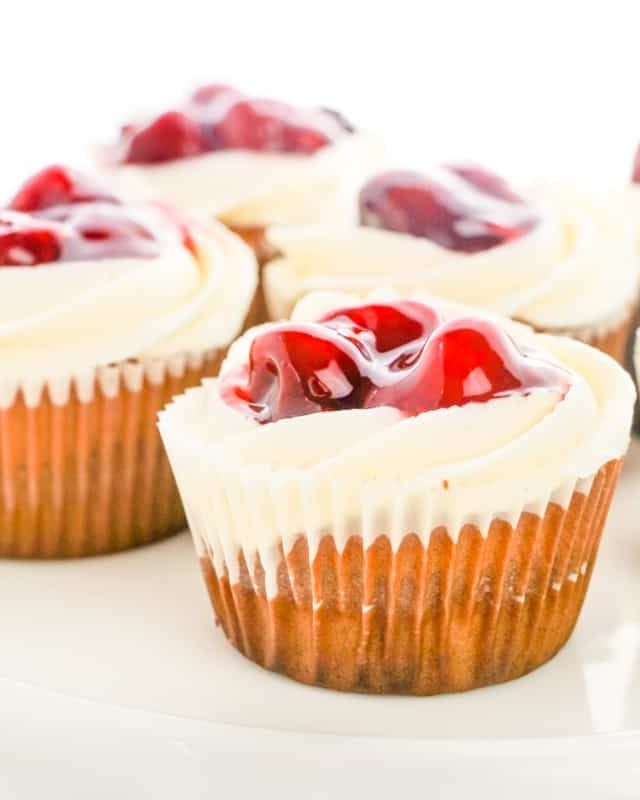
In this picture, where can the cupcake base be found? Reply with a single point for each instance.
(612, 340)
(448, 617)
(88, 475)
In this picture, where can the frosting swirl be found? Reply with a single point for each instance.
(67, 317)
(245, 188)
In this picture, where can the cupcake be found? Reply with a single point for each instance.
(249, 161)
(402, 496)
(557, 258)
(106, 311)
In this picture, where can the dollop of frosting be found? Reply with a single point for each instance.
(575, 268)
(397, 354)
(88, 280)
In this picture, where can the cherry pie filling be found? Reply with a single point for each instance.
(400, 354)
(462, 208)
(61, 215)
(219, 117)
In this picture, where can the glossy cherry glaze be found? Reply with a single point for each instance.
(218, 117)
(460, 207)
(56, 186)
(27, 242)
(389, 354)
(61, 215)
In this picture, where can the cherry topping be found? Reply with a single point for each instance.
(300, 369)
(385, 327)
(268, 127)
(26, 242)
(108, 231)
(73, 233)
(218, 117)
(468, 360)
(395, 354)
(62, 215)
(462, 208)
(170, 136)
(57, 185)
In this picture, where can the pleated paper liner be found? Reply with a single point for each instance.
(82, 467)
(445, 617)
(612, 340)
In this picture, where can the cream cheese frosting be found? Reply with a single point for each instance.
(377, 472)
(245, 188)
(578, 269)
(60, 320)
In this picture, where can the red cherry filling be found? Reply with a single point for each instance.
(72, 218)
(26, 242)
(343, 362)
(218, 117)
(73, 233)
(105, 231)
(268, 127)
(394, 332)
(57, 185)
(462, 208)
(468, 360)
(170, 136)
(300, 369)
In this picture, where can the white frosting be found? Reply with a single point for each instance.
(372, 472)
(63, 319)
(578, 269)
(245, 188)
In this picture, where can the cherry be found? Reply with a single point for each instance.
(107, 231)
(463, 208)
(299, 369)
(218, 117)
(57, 185)
(267, 126)
(171, 135)
(385, 327)
(469, 360)
(395, 354)
(27, 242)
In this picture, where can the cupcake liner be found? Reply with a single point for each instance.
(466, 606)
(82, 468)
(612, 339)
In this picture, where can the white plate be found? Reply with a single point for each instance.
(134, 635)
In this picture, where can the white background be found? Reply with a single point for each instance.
(528, 88)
